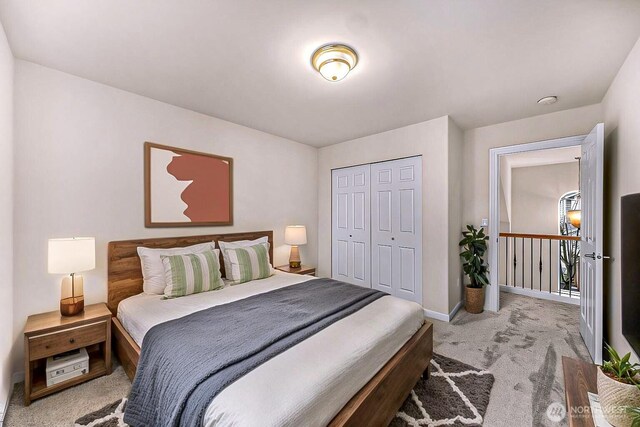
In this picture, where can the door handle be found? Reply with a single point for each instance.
(393, 238)
(594, 256)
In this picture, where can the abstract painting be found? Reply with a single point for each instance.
(186, 188)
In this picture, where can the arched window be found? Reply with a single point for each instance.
(569, 249)
(567, 202)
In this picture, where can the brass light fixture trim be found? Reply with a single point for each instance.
(334, 61)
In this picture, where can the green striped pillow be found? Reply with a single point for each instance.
(191, 273)
(248, 263)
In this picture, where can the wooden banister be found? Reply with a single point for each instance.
(540, 236)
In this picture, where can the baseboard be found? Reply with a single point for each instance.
(456, 309)
(538, 294)
(436, 315)
(5, 405)
(442, 316)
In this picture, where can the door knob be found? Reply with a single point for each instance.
(603, 257)
(393, 238)
(350, 235)
(592, 256)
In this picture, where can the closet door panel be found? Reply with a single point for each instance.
(407, 269)
(351, 218)
(396, 226)
(382, 252)
(341, 270)
(382, 277)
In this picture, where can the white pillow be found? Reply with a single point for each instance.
(239, 244)
(153, 269)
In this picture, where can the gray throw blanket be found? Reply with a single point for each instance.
(186, 362)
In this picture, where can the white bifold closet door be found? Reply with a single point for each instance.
(351, 234)
(396, 227)
(377, 226)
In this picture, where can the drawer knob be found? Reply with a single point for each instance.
(72, 340)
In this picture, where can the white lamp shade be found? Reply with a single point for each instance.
(72, 255)
(295, 235)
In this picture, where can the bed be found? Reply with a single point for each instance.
(382, 349)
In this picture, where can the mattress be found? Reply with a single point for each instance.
(305, 385)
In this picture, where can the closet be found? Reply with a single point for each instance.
(377, 226)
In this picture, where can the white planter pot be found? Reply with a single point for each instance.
(615, 397)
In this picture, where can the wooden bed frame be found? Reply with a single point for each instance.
(374, 405)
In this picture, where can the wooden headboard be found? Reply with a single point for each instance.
(124, 270)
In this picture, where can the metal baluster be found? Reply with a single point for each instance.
(506, 260)
(574, 272)
(550, 264)
(515, 261)
(523, 263)
(559, 269)
(531, 262)
(540, 267)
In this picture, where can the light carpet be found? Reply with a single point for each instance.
(521, 346)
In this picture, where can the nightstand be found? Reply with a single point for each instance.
(49, 334)
(304, 269)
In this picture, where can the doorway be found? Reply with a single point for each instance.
(539, 240)
(590, 238)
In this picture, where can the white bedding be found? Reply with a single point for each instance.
(307, 384)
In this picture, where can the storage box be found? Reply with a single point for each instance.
(67, 365)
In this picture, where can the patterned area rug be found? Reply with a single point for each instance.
(109, 416)
(456, 394)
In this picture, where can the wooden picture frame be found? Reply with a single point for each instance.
(190, 185)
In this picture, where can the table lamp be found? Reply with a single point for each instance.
(295, 235)
(71, 256)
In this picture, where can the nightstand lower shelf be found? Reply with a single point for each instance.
(97, 368)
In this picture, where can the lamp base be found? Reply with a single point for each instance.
(294, 258)
(71, 306)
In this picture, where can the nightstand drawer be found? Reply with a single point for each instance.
(46, 345)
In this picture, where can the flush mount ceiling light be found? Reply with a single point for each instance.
(334, 61)
(548, 100)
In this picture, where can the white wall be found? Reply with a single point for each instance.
(6, 218)
(477, 143)
(79, 171)
(535, 192)
(621, 106)
(429, 139)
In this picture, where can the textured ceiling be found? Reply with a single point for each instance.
(480, 61)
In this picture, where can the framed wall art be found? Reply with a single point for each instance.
(185, 188)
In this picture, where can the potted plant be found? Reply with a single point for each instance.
(617, 388)
(474, 244)
(634, 413)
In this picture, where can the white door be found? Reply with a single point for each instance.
(591, 175)
(396, 227)
(351, 232)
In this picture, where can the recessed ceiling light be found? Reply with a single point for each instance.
(548, 100)
(334, 61)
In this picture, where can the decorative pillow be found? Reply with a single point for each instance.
(248, 263)
(235, 245)
(191, 273)
(153, 270)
